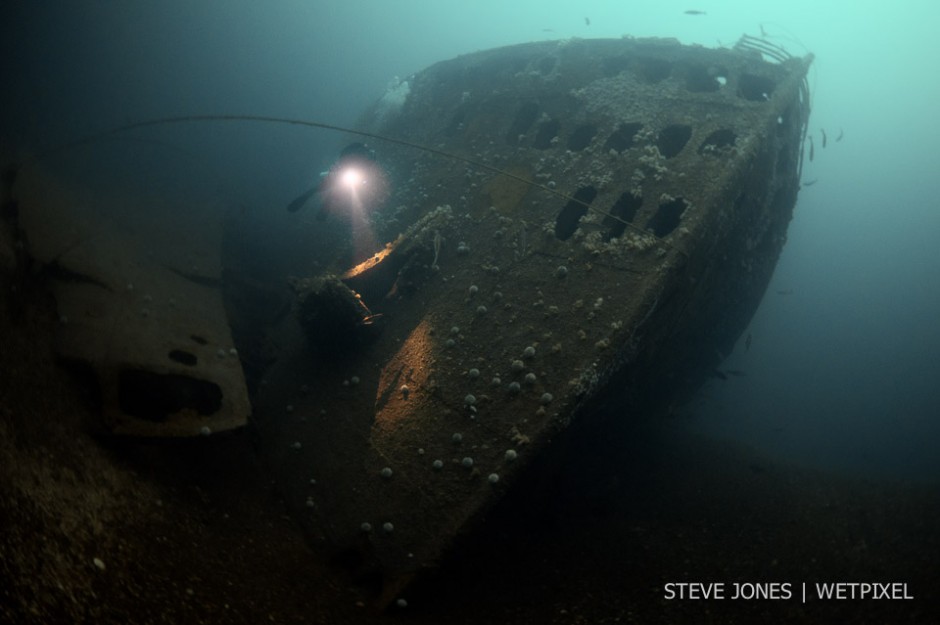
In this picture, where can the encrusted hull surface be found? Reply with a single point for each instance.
(665, 178)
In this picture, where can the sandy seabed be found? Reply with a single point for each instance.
(99, 530)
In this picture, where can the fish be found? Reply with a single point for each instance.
(812, 150)
(810, 183)
(839, 138)
(718, 374)
(587, 21)
(735, 372)
(747, 342)
(694, 12)
(821, 130)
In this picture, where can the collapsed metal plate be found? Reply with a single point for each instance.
(140, 308)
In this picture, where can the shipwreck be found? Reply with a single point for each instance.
(586, 217)
(559, 222)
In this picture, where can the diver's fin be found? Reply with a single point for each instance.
(299, 202)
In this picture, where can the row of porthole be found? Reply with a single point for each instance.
(662, 223)
(670, 141)
(698, 78)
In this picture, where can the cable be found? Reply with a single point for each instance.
(161, 121)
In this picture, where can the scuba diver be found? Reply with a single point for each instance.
(333, 315)
(354, 181)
